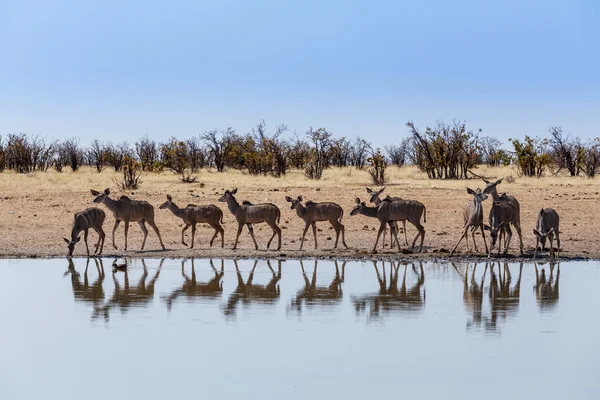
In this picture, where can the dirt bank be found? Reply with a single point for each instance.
(37, 211)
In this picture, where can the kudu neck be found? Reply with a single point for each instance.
(175, 209)
(233, 205)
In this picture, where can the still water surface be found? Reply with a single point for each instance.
(284, 330)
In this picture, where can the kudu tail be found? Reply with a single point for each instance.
(278, 216)
(341, 216)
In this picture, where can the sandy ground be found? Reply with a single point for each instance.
(37, 212)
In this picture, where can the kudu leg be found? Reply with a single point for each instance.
(251, 229)
(557, 242)
(464, 235)
(551, 238)
(216, 228)
(85, 236)
(153, 225)
(185, 228)
(473, 229)
(483, 236)
(100, 244)
(237, 236)
(342, 229)
(117, 222)
(381, 229)
(276, 231)
(314, 229)
(145, 230)
(193, 235)
(126, 232)
(404, 229)
(537, 242)
(304, 235)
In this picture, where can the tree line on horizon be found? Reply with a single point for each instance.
(444, 151)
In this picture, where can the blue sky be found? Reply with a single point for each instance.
(118, 69)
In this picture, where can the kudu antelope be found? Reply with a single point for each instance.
(128, 296)
(193, 214)
(192, 288)
(313, 212)
(473, 218)
(509, 201)
(128, 210)
(248, 292)
(500, 217)
(374, 198)
(89, 218)
(248, 214)
(396, 210)
(546, 289)
(324, 295)
(392, 298)
(546, 227)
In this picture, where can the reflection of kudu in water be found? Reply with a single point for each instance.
(191, 288)
(503, 299)
(93, 293)
(248, 292)
(473, 295)
(546, 290)
(130, 296)
(312, 294)
(391, 297)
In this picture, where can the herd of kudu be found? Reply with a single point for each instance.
(504, 212)
(395, 294)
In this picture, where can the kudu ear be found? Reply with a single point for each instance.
(288, 199)
(234, 191)
(67, 240)
(470, 191)
(107, 191)
(536, 232)
(94, 192)
(300, 198)
(483, 197)
(369, 190)
(499, 181)
(381, 190)
(357, 200)
(485, 180)
(542, 211)
(169, 197)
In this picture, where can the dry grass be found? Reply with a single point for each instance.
(38, 208)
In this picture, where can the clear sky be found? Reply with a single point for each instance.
(117, 69)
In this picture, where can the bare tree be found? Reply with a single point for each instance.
(565, 151)
(96, 155)
(321, 144)
(217, 145)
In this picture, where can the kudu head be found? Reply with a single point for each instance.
(167, 203)
(100, 197)
(71, 244)
(490, 187)
(374, 194)
(478, 195)
(227, 195)
(542, 235)
(294, 202)
(494, 231)
(358, 207)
